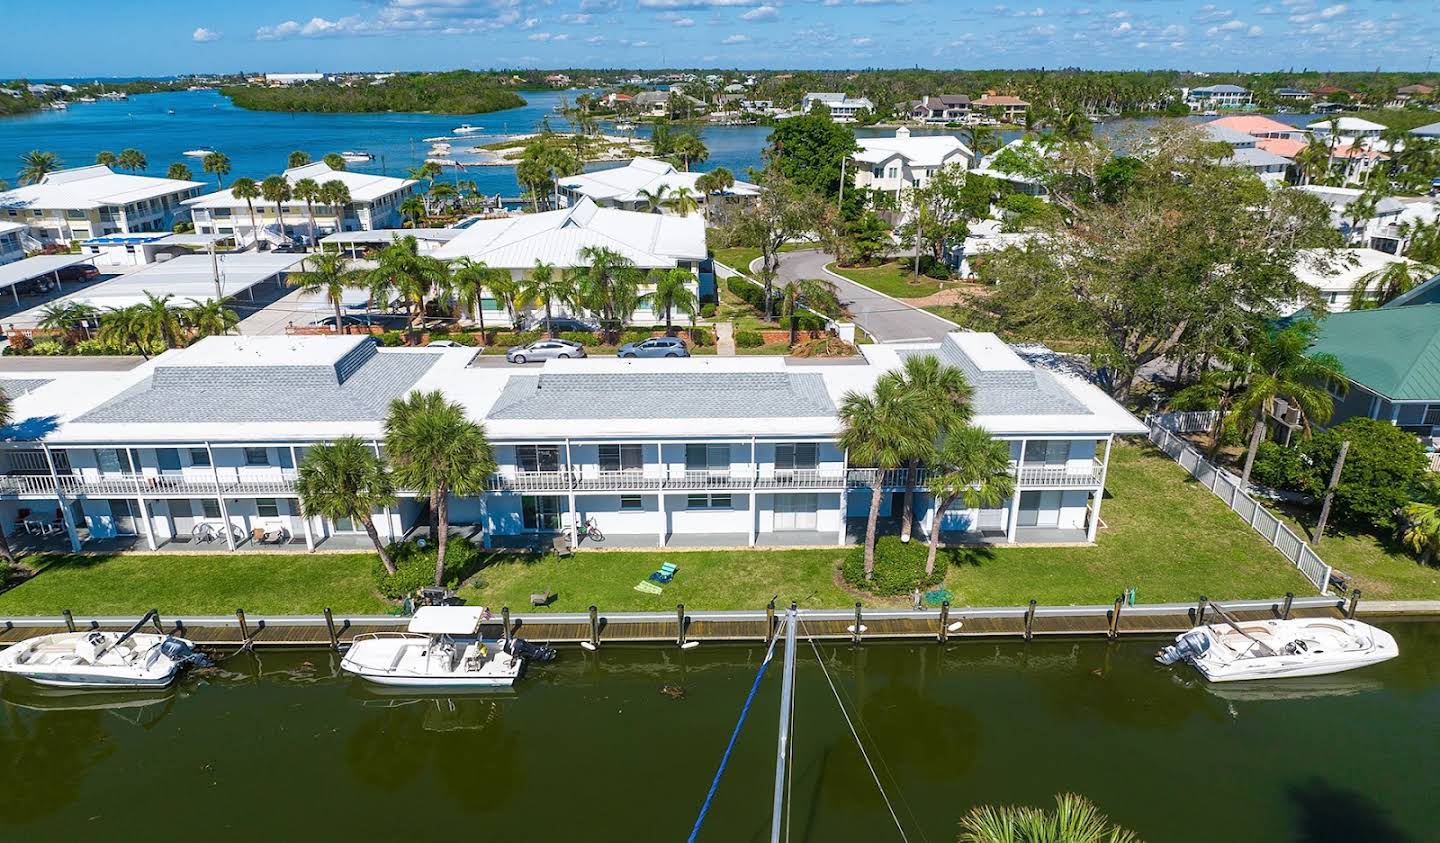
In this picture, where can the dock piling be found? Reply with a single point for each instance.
(594, 628)
(330, 627)
(680, 629)
(769, 620)
(1030, 621)
(857, 628)
(505, 621)
(1354, 601)
(69, 620)
(1114, 631)
(1285, 607)
(155, 619)
(944, 620)
(244, 627)
(1200, 610)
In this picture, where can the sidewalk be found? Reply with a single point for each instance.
(724, 339)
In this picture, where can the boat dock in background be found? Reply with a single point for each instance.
(681, 626)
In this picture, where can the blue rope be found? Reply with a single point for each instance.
(725, 759)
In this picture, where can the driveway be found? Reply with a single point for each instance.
(884, 318)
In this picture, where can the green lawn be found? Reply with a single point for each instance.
(738, 258)
(1381, 570)
(892, 278)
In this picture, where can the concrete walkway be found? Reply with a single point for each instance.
(885, 318)
(724, 339)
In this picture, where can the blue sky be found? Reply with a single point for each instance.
(130, 37)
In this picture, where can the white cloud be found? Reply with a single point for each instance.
(735, 39)
(201, 35)
(546, 36)
(578, 20)
(529, 23)
(387, 17)
(1332, 11)
(694, 4)
(761, 13)
(863, 41)
(595, 39)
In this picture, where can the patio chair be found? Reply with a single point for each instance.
(562, 546)
(665, 574)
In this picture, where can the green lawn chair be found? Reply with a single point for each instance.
(665, 574)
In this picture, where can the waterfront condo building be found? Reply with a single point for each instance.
(703, 451)
(631, 186)
(843, 109)
(77, 204)
(374, 203)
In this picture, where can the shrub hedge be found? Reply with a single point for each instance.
(415, 567)
(749, 339)
(899, 567)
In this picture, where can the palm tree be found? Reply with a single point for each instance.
(329, 275)
(689, 149)
(124, 326)
(1420, 524)
(1280, 370)
(346, 480)
(277, 189)
(814, 293)
(414, 208)
(532, 173)
(652, 201)
(1388, 283)
(443, 193)
(436, 449)
(249, 190)
(179, 172)
(943, 395)
(682, 201)
(672, 292)
(426, 172)
(335, 161)
(1075, 820)
(106, 158)
(400, 269)
(972, 466)
(546, 286)
(218, 165)
(469, 280)
(132, 160)
(298, 158)
(336, 196)
(66, 316)
(36, 164)
(983, 139)
(308, 190)
(607, 283)
(161, 321)
(714, 183)
(5, 419)
(879, 430)
(208, 318)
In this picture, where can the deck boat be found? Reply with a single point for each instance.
(357, 156)
(98, 659)
(441, 649)
(466, 129)
(1234, 650)
(197, 153)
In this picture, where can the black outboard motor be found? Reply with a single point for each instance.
(180, 652)
(522, 649)
(1189, 646)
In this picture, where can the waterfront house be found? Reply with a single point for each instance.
(1406, 95)
(1002, 107)
(946, 108)
(12, 247)
(1335, 273)
(1347, 130)
(1291, 95)
(1429, 131)
(374, 204)
(901, 163)
(1259, 126)
(622, 187)
(1390, 356)
(1377, 229)
(703, 451)
(1246, 154)
(843, 107)
(993, 166)
(1218, 98)
(76, 204)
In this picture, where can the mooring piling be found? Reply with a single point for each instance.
(330, 628)
(944, 632)
(69, 620)
(244, 627)
(505, 621)
(1285, 607)
(1200, 610)
(1114, 630)
(769, 620)
(1030, 621)
(857, 628)
(1354, 602)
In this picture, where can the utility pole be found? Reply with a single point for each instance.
(787, 694)
(1330, 493)
(215, 273)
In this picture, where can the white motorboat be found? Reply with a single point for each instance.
(438, 138)
(1232, 650)
(624, 127)
(442, 649)
(96, 659)
(356, 157)
(466, 129)
(197, 153)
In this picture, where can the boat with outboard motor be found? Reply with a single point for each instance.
(100, 659)
(442, 647)
(1234, 650)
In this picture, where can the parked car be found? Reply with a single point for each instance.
(545, 350)
(77, 272)
(443, 344)
(537, 323)
(654, 347)
(345, 319)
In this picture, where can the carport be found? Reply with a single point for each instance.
(14, 274)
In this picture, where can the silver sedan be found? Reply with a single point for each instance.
(545, 350)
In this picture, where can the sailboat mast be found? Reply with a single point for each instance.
(782, 752)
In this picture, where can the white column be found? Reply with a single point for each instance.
(570, 495)
(220, 496)
(65, 513)
(1100, 492)
(1015, 499)
(149, 528)
(754, 516)
(309, 534)
(844, 497)
(664, 519)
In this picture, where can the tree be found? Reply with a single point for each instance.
(249, 190)
(533, 175)
(714, 184)
(865, 238)
(330, 276)
(1279, 369)
(782, 212)
(970, 466)
(1314, 162)
(808, 150)
(683, 202)
(652, 201)
(299, 158)
(1381, 286)
(179, 172)
(335, 161)
(469, 281)
(346, 480)
(208, 318)
(983, 139)
(308, 191)
(414, 208)
(132, 160)
(66, 316)
(1383, 468)
(813, 293)
(942, 395)
(161, 322)
(688, 147)
(435, 449)
(881, 430)
(218, 165)
(36, 164)
(277, 189)
(672, 292)
(401, 270)
(607, 283)
(939, 214)
(124, 326)
(443, 193)
(1074, 820)
(426, 172)
(546, 286)
(335, 195)
(1420, 521)
(106, 158)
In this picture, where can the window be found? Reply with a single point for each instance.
(704, 501)
(256, 456)
(540, 512)
(1432, 414)
(113, 460)
(801, 455)
(1047, 452)
(631, 503)
(622, 458)
(267, 507)
(199, 456)
(707, 458)
(210, 508)
(538, 457)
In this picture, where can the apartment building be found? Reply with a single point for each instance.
(627, 187)
(12, 246)
(76, 204)
(843, 108)
(1218, 98)
(694, 452)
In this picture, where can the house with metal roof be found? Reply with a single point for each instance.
(68, 206)
(939, 110)
(843, 107)
(374, 203)
(1246, 153)
(200, 447)
(626, 187)
(903, 162)
(1218, 98)
(1391, 356)
(12, 248)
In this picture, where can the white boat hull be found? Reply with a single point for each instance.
(1281, 649)
(418, 661)
(51, 680)
(95, 659)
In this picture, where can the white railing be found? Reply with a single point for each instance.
(273, 481)
(1197, 421)
(1226, 487)
(782, 478)
(1033, 475)
(1433, 461)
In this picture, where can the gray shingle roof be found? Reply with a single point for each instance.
(1009, 392)
(15, 387)
(725, 395)
(356, 388)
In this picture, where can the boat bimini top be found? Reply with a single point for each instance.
(448, 620)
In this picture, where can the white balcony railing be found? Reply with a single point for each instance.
(1061, 476)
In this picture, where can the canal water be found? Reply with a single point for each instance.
(276, 746)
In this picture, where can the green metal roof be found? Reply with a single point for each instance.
(1391, 351)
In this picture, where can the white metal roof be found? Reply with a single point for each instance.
(23, 270)
(447, 620)
(186, 277)
(1338, 270)
(364, 187)
(623, 184)
(386, 235)
(84, 188)
(1348, 124)
(918, 150)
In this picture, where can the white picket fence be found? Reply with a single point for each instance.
(1226, 487)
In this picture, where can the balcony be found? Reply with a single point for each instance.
(258, 482)
(1060, 477)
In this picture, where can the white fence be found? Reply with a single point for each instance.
(1199, 421)
(1226, 487)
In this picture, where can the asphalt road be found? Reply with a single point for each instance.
(884, 318)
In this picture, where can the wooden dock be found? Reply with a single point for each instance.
(681, 626)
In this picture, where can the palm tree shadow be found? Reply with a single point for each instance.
(1329, 814)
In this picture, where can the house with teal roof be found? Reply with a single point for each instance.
(1391, 357)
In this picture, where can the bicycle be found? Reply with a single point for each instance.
(592, 530)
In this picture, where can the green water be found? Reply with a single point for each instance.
(588, 748)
